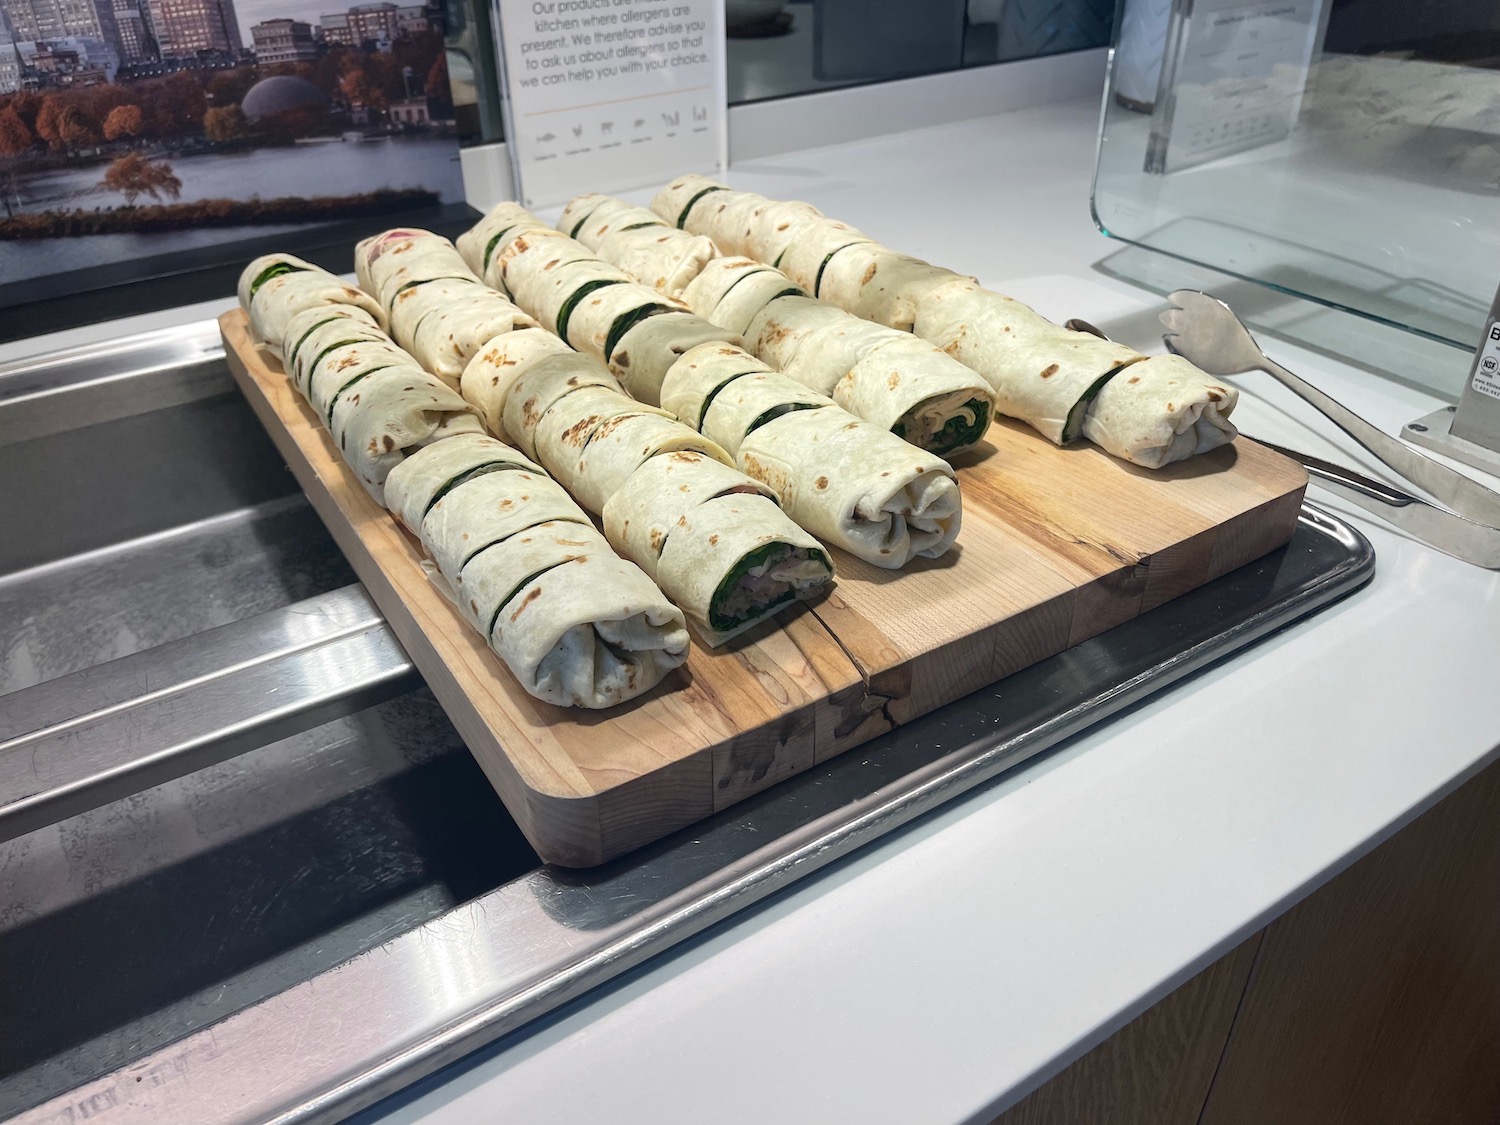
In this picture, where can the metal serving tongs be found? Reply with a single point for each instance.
(1206, 332)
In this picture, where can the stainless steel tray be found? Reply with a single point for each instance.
(349, 879)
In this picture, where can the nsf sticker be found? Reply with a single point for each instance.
(1487, 367)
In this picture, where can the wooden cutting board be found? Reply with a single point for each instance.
(1057, 545)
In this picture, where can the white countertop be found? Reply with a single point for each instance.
(942, 973)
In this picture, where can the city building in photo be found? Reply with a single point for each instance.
(283, 41)
(186, 27)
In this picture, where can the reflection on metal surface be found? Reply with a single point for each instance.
(40, 396)
(77, 742)
(383, 1019)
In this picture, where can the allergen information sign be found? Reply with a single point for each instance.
(607, 95)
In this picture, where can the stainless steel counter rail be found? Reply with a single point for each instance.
(346, 1037)
(39, 395)
(82, 740)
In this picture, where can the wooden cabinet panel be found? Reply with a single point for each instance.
(1155, 1070)
(1377, 999)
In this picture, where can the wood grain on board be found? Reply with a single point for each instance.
(1057, 546)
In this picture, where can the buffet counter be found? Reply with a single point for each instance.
(943, 972)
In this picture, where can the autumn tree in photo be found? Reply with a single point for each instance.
(47, 121)
(76, 129)
(134, 175)
(123, 121)
(15, 140)
(225, 123)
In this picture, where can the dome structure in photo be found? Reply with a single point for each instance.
(282, 94)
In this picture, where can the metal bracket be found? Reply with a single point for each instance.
(1434, 431)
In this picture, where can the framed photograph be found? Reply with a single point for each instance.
(141, 139)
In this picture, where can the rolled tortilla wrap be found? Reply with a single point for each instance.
(546, 273)
(487, 380)
(743, 559)
(391, 413)
(447, 339)
(662, 257)
(695, 380)
(816, 247)
(774, 226)
(345, 367)
(673, 202)
(879, 284)
(542, 384)
(752, 401)
(481, 244)
(906, 385)
(428, 475)
(578, 209)
(598, 319)
(262, 269)
(831, 339)
(592, 631)
(482, 511)
(276, 297)
(301, 326)
(326, 337)
(639, 518)
(640, 243)
(622, 444)
(732, 291)
(1161, 409)
(713, 537)
(606, 215)
(404, 257)
(1041, 373)
(856, 486)
(650, 348)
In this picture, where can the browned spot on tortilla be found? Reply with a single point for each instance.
(610, 425)
(529, 413)
(684, 455)
(657, 539)
(495, 382)
(474, 607)
(783, 226)
(1049, 371)
(869, 274)
(531, 596)
(851, 425)
(572, 381)
(572, 542)
(579, 430)
(713, 540)
(682, 488)
(728, 351)
(390, 442)
(1170, 408)
(1134, 379)
(951, 349)
(1214, 396)
(682, 521)
(465, 535)
(1006, 328)
(821, 482)
(894, 380)
(506, 504)
(623, 359)
(374, 447)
